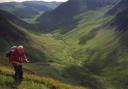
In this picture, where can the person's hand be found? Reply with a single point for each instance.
(27, 61)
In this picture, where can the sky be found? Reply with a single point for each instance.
(30, 0)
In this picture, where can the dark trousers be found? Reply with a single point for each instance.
(18, 72)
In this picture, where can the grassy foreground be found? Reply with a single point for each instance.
(30, 81)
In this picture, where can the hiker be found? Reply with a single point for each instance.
(16, 57)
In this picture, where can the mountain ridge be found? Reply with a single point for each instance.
(31, 8)
(56, 18)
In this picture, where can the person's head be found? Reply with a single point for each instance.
(20, 49)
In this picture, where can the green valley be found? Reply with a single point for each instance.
(85, 47)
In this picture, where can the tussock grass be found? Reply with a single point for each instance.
(49, 82)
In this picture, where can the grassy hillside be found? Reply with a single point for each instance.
(31, 81)
(92, 53)
(101, 51)
(41, 45)
(95, 52)
(49, 59)
(55, 19)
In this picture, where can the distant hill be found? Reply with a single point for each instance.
(28, 9)
(63, 16)
(47, 5)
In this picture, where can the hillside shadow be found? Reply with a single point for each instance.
(92, 34)
(123, 39)
(88, 36)
(120, 22)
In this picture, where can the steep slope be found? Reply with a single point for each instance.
(35, 44)
(121, 20)
(97, 53)
(101, 50)
(31, 81)
(43, 45)
(9, 32)
(10, 35)
(94, 53)
(120, 11)
(121, 5)
(16, 20)
(63, 17)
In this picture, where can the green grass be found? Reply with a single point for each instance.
(85, 55)
(102, 54)
(31, 81)
(52, 46)
(8, 83)
(93, 55)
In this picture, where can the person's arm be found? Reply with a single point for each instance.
(25, 58)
